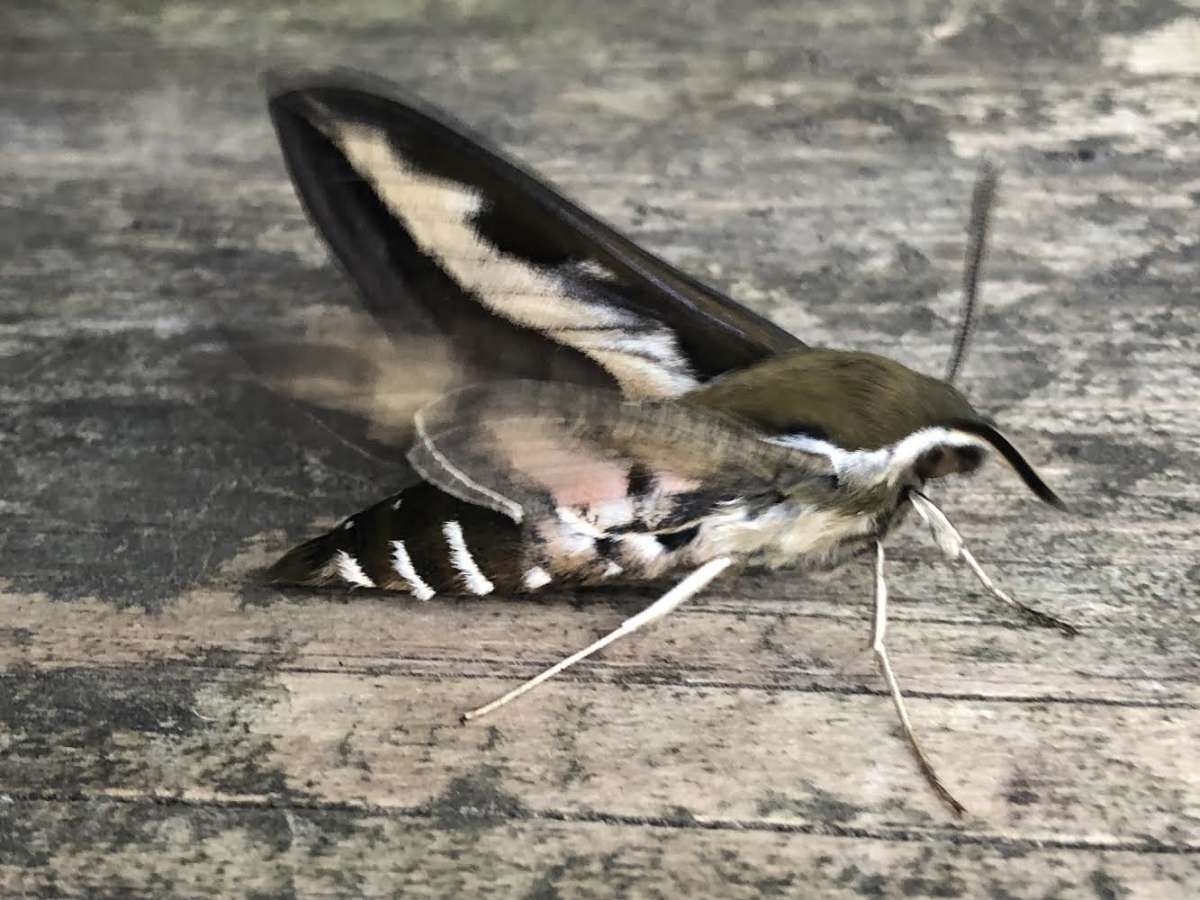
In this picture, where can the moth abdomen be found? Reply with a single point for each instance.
(420, 540)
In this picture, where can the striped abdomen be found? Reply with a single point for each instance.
(420, 540)
(425, 541)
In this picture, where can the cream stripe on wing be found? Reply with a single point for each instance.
(437, 213)
(464, 562)
(403, 565)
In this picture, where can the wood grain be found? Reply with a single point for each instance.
(170, 726)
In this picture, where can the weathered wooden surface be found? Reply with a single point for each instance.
(170, 726)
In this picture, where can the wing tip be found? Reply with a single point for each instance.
(281, 81)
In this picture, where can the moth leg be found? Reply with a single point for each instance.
(676, 596)
(885, 667)
(951, 544)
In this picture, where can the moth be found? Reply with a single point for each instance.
(575, 410)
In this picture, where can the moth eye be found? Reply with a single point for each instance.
(938, 462)
(931, 464)
(969, 458)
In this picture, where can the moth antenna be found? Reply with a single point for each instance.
(981, 209)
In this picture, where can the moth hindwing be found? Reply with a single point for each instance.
(572, 409)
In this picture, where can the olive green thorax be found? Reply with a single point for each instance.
(857, 401)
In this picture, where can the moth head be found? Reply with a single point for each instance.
(874, 416)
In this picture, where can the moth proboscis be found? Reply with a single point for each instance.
(574, 410)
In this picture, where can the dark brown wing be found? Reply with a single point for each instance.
(445, 236)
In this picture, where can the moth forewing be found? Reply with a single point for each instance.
(434, 226)
(332, 378)
(383, 382)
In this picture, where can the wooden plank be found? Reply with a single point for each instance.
(147, 850)
(756, 641)
(635, 750)
(169, 725)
